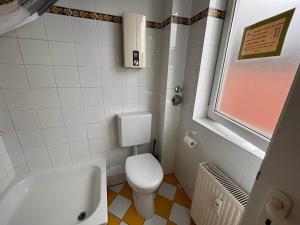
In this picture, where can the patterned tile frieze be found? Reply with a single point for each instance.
(216, 13)
(118, 19)
(3, 2)
(199, 16)
(176, 20)
(180, 20)
(150, 24)
(166, 22)
(83, 14)
(155, 25)
(60, 10)
(109, 18)
(208, 12)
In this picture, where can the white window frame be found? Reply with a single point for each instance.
(252, 136)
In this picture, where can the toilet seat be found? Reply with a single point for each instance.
(144, 173)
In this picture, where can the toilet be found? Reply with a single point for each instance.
(143, 172)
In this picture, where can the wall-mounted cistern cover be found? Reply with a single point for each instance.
(134, 128)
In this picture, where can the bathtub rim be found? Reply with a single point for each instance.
(100, 214)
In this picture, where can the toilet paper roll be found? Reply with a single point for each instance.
(190, 142)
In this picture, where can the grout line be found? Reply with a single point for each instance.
(57, 88)
(60, 108)
(81, 93)
(16, 133)
(244, 170)
(36, 110)
(9, 110)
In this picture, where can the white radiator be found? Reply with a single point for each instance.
(217, 200)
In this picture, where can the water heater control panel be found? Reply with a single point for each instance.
(136, 58)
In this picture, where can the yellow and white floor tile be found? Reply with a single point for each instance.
(172, 205)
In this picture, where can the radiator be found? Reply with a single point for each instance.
(217, 200)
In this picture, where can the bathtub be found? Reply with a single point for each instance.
(68, 196)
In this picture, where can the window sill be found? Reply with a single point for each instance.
(231, 137)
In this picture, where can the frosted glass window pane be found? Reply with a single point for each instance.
(253, 91)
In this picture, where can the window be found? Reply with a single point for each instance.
(249, 92)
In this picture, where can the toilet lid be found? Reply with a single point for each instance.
(144, 171)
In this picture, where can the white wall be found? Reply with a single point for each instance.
(237, 163)
(7, 172)
(175, 38)
(62, 83)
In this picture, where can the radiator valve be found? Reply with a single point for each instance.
(218, 206)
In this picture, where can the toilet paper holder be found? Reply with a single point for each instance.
(189, 140)
(190, 133)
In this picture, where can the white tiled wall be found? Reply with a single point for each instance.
(174, 77)
(62, 83)
(237, 163)
(175, 40)
(7, 173)
(182, 8)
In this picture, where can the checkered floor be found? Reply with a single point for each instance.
(172, 205)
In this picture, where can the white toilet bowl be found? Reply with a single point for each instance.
(144, 174)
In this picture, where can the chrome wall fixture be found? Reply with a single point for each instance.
(177, 98)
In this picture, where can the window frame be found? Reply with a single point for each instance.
(240, 129)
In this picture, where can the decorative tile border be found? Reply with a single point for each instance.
(83, 14)
(60, 10)
(208, 12)
(150, 24)
(166, 22)
(109, 18)
(118, 19)
(95, 16)
(155, 25)
(180, 20)
(176, 20)
(199, 16)
(3, 2)
(216, 13)
(186, 21)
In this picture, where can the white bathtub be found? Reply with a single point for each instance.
(57, 197)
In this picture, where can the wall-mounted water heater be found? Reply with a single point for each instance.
(134, 40)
